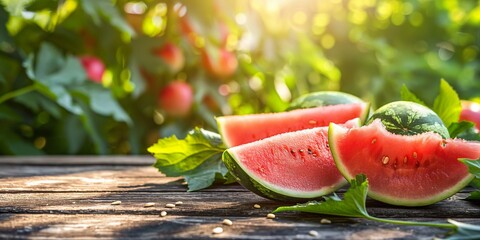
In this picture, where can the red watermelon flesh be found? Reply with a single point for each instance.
(241, 129)
(403, 170)
(288, 166)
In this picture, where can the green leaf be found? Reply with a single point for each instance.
(457, 128)
(447, 104)
(464, 231)
(353, 204)
(211, 171)
(16, 7)
(474, 196)
(106, 10)
(197, 158)
(103, 103)
(407, 95)
(473, 166)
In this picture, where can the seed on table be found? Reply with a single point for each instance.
(270, 216)
(163, 214)
(116, 203)
(170, 205)
(313, 233)
(217, 230)
(325, 221)
(150, 204)
(257, 206)
(178, 203)
(227, 222)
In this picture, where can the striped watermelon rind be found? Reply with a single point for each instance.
(243, 163)
(323, 98)
(270, 191)
(441, 181)
(409, 118)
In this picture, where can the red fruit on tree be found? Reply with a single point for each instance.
(171, 55)
(176, 98)
(222, 65)
(94, 68)
(471, 112)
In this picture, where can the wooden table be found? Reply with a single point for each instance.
(70, 197)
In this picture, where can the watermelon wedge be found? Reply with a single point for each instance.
(291, 167)
(241, 129)
(402, 170)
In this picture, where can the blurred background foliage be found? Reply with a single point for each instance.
(111, 77)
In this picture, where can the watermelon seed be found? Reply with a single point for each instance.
(313, 233)
(314, 155)
(309, 151)
(257, 206)
(395, 164)
(385, 160)
(325, 221)
(292, 152)
(217, 230)
(414, 154)
(270, 216)
(301, 150)
(405, 159)
(374, 141)
(312, 122)
(417, 164)
(227, 222)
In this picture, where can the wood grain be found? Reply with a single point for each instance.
(70, 197)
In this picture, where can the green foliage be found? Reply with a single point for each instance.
(198, 158)
(369, 49)
(474, 168)
(447, 104)
(352, 205)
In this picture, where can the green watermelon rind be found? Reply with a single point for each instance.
(410, 123)
(323, 98)
(335, 130)
(270, 191)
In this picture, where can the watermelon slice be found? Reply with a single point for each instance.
(241, 129)
(292, 167)
(402, 170)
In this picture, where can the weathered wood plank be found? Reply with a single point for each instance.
(198, 204)
(90, 178)
(35, 226)
(78, 160)
(41, 198)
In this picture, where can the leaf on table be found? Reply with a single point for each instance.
(352, 205)
(474, 196)
(474, 168)
(407, 95)
(447, 104)
(464, 231)
(197, 158)
(457, 128)
(211, 171)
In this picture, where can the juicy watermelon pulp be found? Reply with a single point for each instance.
(402, 170)
(241, 129)
(293, 166)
